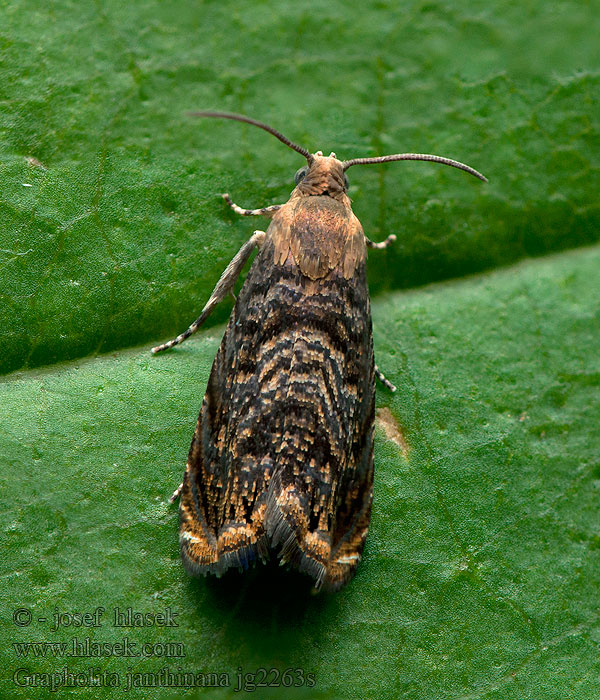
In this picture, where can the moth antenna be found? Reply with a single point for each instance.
(414, 156)
(248, 120)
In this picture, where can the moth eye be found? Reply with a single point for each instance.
(346, 184)
(300, 174)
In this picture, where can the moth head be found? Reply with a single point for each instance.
(326, 174)
(322, 175)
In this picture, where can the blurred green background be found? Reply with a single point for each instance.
(481, 573)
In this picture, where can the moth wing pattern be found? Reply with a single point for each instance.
(282, 456)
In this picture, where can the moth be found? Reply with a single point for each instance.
(281, 462)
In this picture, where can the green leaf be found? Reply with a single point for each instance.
(113, 232)
(481, 573)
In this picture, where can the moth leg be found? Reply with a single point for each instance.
(223, 287)
(265, 211)
(175, 495)
(382, 378)
(384, 244)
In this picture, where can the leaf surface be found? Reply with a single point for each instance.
(480, 577)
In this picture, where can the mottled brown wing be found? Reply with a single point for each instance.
(282, 456)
